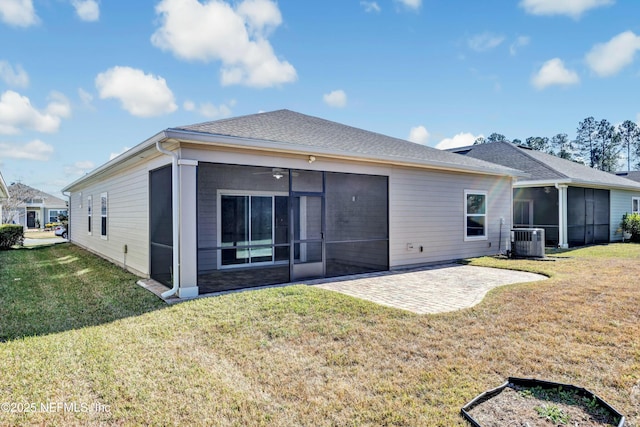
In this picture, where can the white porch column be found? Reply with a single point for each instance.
(188, 229)
(563, 241)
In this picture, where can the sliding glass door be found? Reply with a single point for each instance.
(250, 228)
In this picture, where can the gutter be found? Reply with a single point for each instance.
(578, 183)
(282, 147)
(175, 209)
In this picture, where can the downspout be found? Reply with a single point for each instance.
(68, 196)
(175, 209)
(562, 218)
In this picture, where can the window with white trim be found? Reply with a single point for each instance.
(635, 205)
(103, 215)
(89, 213)
(475, 215)
(55, 213)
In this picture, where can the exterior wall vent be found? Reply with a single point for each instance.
(527, 243)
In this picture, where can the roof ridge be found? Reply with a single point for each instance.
(227, 119)
(523, 151)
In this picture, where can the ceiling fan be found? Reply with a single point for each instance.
(277, 173)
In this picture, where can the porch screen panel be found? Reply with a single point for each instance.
(601, 212)
(161, 224)
(243, 226)
(587, 216)
(576, 213)
(357, 224)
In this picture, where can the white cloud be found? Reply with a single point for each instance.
(17, 76)
(607, 59)
(79, 168)
(459, 140)
(59, 105)
(336, 99)
(17, 113)
(370, 6)
(485, 41)
(216, 32)
(87, 10)
(19, 13)
(262, 16)
(411, 4)
(114, 155)
(521, 41)
(419, 135)
(34, 150)
(572, 8)
(209, 110)
(142, 95)
(553, 72)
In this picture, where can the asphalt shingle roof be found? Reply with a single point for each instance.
(542, 166)
(19, 189)
(289, 127)
(632, 175)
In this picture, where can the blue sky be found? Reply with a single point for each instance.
(82, 80)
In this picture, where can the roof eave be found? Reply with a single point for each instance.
(127, 155)
(575, 183)
(275, 146)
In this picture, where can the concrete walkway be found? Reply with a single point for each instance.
(43, 242)
(437, 289)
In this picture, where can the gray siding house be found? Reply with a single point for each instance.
(34, 208)
(575, 204)
(280, 197)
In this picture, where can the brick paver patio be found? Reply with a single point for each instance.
(437, 289)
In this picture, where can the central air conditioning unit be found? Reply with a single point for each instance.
(527, 243)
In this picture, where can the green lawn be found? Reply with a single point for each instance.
(78, 331)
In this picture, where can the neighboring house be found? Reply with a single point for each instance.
(4, 195)
(575, 204)
(31, 207)
(279, 197)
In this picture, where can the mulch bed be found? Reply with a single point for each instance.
(519, 406)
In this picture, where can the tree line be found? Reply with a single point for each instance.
(598, 144)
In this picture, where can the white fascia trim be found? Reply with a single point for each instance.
(575, 183)
(254, 144)
(129, 154)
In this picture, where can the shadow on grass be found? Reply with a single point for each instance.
(54, 288)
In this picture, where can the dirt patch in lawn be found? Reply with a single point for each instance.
(528, 407)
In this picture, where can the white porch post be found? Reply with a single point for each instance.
(562, 216)
(188, 229)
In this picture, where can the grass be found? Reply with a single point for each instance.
(300, 355)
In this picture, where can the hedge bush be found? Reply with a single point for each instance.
(11, 235)
(631, 224)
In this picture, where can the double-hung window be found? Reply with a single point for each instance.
(54, 214)
(635, 205)
(103, 215)
(475, 213)
(89, 213)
